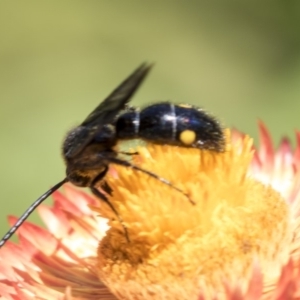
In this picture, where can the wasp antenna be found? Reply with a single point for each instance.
(30, 209)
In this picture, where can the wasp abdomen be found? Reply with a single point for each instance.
(180, 125)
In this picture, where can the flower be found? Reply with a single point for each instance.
(239, 241)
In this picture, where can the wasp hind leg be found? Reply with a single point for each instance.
(126, 163)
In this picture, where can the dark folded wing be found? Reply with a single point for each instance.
(108, 109)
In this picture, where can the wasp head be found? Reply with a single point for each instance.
(86, 151)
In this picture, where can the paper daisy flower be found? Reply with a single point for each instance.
(239, 241)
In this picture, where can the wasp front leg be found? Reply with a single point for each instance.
(93, 179)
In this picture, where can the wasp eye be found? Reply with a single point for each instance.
(75, 141)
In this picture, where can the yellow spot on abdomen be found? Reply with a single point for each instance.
(187, 137)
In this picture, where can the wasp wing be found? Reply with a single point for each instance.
(107, 110)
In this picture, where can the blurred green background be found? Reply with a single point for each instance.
(59, 59)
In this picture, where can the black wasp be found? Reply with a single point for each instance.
(89, 148)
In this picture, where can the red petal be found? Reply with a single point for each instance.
(55, 220)
(266, 151)
(255, 287)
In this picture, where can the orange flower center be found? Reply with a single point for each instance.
(177, 249)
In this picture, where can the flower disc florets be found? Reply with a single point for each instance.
(177, 249)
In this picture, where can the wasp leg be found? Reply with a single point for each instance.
(126, 163)
(103, 197)
(128, 153)
(103, 184)
(100, 195)
(106, 187)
